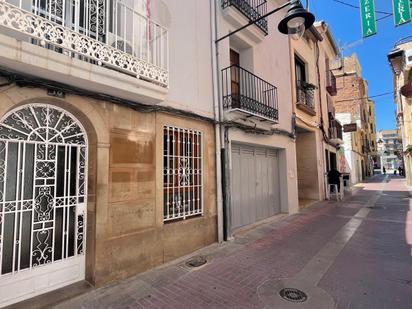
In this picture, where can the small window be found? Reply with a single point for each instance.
(300, 70)
(182, 173)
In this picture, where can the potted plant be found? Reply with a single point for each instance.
(308, 86)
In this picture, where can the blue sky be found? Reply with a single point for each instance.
(345, 24)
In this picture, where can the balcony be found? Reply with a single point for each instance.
(305, 97)
(245, 93)
(251, 9)
(331, 83)
(335, 132)
(100, 36)
(406, 89)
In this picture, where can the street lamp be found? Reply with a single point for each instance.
(396, 60)
(296, 21)
(294, 24)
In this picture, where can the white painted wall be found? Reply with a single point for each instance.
(353, 159)
(190, 54)
(268, 58)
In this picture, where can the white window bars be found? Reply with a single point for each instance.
(119, 34)
(183, 173)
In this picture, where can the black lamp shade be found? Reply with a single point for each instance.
(296, 10)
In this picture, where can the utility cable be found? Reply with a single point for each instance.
(369, 97)
(357, 7)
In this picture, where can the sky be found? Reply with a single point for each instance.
(344, 22)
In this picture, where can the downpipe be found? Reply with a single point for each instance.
(220, 155)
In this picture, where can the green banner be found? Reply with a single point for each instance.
(401, 12)
(368, 17)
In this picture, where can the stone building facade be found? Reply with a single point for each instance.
(109, 150)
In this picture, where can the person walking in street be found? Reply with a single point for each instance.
(384, 170)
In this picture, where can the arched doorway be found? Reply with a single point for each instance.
(43, 195)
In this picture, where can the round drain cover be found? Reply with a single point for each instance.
(196, 261)
(293, 295)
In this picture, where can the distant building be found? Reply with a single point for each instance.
(352, 98)
(390, 149)
(352, 147)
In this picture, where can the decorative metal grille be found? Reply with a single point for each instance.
(252, 9)
(103, 32)
(305, 94)
(43, 162)
(183, 173)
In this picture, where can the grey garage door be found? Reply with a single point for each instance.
(255, 184)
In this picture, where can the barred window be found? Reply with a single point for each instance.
(182, 173)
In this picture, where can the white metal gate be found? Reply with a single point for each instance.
(43, 184)
(255, 193)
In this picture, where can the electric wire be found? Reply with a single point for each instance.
(368, 98)
(357, 7)
(23, 80)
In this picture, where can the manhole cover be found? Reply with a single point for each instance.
(293, 295)
(196, 261)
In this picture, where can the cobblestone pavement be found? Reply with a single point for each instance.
(349, 254)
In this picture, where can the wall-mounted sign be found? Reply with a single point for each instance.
(401, 12)
(368, 17)
(350, 127)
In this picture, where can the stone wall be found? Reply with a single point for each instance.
(125, 230)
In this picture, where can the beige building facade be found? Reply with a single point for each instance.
(109, 150)
(390, 150)
(318, 133)
(400, 62)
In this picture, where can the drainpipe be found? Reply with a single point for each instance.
(218, 126)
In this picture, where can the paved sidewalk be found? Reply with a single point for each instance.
(349, 254)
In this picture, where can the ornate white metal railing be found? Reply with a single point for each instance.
(118, 34)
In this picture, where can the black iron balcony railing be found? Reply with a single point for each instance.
(335, 130)
(252, 9)
(305, 96)
(331, 83)
(245, 91)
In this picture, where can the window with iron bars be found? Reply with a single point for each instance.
(182, 173)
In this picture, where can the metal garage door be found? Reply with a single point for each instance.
(255, 184)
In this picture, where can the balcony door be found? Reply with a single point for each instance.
(235, 78)
(85, 16)
(300, 71)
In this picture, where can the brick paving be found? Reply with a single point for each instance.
(372, 271)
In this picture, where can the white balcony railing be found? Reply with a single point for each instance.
(117, 34)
